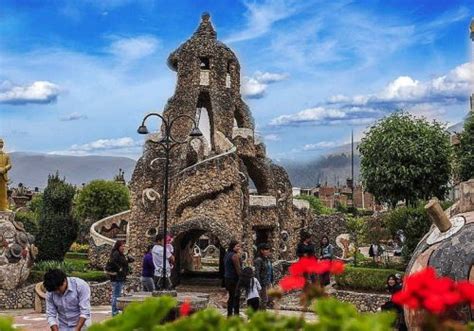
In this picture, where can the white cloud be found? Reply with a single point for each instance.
(126, 146)
(106, 144)
(453, 87)
(134, 48)
(271, 137)
(255, 87)
(39, 92)
(262, 16)
(327, 116)
(73, 117)
(319, 146)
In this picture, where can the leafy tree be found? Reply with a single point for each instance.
(413, 222)
(316, 205)
(57, 226)
(35, 204)
(29, 220)
(99, 199)
(405, 158)
(465, 152)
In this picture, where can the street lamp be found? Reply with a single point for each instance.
(168, 142)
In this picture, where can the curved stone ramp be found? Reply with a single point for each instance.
(101, 245)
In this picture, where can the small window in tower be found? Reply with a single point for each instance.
(204, 65)
(227, 76)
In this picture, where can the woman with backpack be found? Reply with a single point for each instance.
(117, 268)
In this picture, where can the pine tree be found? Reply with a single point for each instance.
(57, 226)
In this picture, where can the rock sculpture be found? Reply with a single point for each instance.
(449, 245)
(17, 252)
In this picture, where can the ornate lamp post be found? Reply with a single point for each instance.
(168, 142)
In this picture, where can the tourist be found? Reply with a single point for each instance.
(68, 302)
(305, 246)
(393, 287)
(399, 279)
(375, 252)
(148, 271)
(162, 282)
(118, 269)
(232, 267)
(326, 253)
(264, 271)
(251, 286)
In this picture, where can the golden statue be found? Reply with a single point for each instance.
(5, 165)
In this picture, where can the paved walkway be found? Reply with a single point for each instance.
(28, 320)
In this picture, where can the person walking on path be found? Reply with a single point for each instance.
(162, 282)
(148, 271)
(118, 269)
(327, 253)
(68, 305)
(232, 269)
(251, 286)
(264, 272)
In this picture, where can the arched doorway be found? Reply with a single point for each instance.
(203, 236)
(199, 258)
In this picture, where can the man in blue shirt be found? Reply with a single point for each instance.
(68, 306)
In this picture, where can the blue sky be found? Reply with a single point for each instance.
(76, 77)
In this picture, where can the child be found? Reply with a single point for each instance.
(251, 285)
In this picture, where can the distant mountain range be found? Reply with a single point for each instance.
(33, 169)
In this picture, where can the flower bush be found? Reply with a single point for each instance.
(437, 298)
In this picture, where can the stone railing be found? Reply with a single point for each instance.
(101, 245)
(262, 200)
(242, 132)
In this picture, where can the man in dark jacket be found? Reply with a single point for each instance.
(264, 271)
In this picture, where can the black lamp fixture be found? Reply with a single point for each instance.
(167, 143)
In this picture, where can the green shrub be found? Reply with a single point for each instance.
(79, 248)
(316, 205)
(29, 220)
(73, 255)
(36, 276)
(57, 226)
(367, 279)
(332, 314)
(414, 223)
(46, 265)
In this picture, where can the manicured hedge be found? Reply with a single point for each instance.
(89, 276)
(75, 255)
(367, 279)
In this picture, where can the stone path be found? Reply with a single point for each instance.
(29, 320)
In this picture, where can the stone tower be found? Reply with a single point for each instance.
(210, 176)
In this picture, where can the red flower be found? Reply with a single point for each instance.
(434, 304)
(289, 283)
(303, 266)
(185, 308)
(466, 289)
(434, 294)
(337, 267)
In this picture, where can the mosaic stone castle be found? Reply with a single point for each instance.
(211, 176)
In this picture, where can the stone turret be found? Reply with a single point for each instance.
(210, 177)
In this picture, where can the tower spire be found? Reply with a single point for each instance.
(205, 28)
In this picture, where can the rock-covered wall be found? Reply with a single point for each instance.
(331, 226)
(101, 294)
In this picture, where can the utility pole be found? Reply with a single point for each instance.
(352, 167)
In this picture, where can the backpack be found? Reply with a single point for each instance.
(110, 268)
